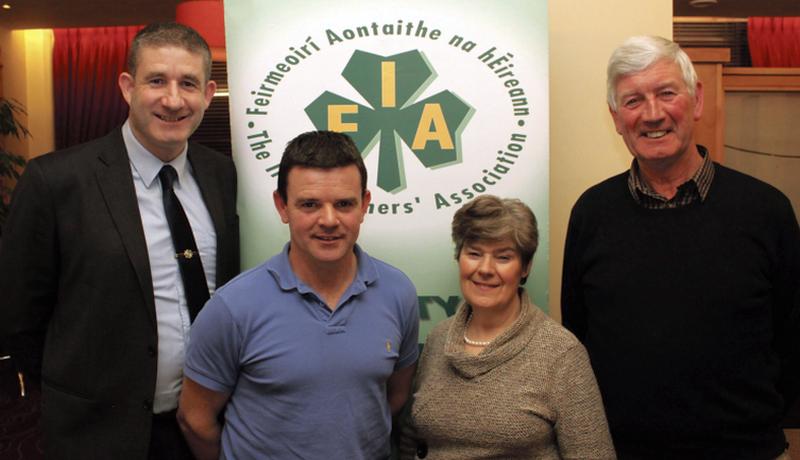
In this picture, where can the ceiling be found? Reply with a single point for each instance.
(31, 14)
(48, 14)
(738, 8)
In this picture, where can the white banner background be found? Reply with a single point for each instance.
(263, 37)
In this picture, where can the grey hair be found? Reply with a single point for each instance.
(640, 52)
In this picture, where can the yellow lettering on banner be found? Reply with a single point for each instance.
(432, 114)
(335, 123)
(388, 84)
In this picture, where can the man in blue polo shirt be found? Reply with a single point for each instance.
(310, 353)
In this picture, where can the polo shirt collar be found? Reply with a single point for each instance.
(147, 164)
(281, 270)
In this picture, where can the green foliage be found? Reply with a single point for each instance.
(10, 163)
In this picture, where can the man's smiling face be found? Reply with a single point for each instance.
(324, 209)
(167, 94)
(656, 112)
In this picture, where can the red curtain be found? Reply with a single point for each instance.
(86, 65)
(774, 41)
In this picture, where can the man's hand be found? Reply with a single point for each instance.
(198, 413)
(398, 387)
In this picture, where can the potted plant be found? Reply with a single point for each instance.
(10, 163)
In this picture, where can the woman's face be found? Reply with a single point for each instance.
(490, 273)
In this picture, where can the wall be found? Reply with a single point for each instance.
(27, 77)
(584, 148)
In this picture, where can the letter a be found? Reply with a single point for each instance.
(432, 115)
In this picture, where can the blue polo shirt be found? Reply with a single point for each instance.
(305, 382)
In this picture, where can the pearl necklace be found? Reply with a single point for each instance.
(474, 343)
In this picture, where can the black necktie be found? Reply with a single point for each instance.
(194, 279)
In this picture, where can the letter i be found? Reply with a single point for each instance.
(388, 83)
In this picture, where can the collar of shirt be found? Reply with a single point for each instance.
(145, 163)
(281, 269)
(694, 189)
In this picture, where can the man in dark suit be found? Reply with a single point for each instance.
(93, 295)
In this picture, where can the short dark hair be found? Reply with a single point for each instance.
(169, 34)
(323, 150)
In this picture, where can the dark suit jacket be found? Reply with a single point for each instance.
(77, 295)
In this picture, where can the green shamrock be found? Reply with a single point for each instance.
(431, 128)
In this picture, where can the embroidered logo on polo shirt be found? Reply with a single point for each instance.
(388, 345)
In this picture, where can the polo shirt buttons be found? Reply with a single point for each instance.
(147, 405)
(151, 351)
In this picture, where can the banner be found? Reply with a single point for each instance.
(446, 100)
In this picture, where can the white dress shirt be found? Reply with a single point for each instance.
(172, 313)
